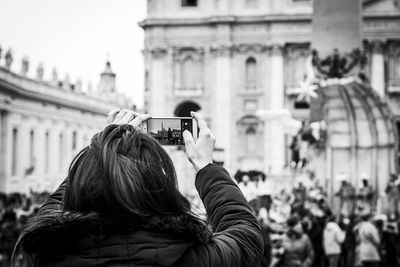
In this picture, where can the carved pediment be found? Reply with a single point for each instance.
(381, 6)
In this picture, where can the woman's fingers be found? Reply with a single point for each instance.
(119, 116)
(140, 119)
(127, 118)
(201, 122)
(111, 115)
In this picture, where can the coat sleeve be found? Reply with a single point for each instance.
(340, 235)
(237, 239)
(55, 200)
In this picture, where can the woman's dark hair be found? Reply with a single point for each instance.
(124, 172)
(293, 221)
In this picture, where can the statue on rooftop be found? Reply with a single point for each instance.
(39, 72)
(54, 77)
(78, 85)
(67, 83)
(9, 58)
(24, 66)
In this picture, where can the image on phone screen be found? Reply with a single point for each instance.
(168, 131)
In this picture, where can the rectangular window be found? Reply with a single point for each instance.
(14, 152)
(47, 152)
(189, 3)
(250, 104)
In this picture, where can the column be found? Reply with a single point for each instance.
(23, 148)
(274, 130)
(3, 151)
(67, 155)
(40, 150)
(222, 120)
(157, 82)
(378, 68)
(53, 151)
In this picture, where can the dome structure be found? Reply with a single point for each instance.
(360, 136)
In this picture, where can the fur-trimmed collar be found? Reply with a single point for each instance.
(45, 231)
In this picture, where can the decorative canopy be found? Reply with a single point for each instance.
(361, 134)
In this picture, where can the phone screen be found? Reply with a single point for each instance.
(168, 131)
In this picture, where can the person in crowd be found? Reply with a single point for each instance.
(346, 196)
(348, 249)
(365, 195)
(248, 188)
(333, 238)
(9, 234)
(389, 241)
(300, 194)
(391, 245)
(267, 256)
(295, 148)
(393, 193)
(367, 244)
(120, 206)
(298, 250)
(264, 192)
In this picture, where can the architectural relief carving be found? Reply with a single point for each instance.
(382, 25)
(377, 46)
(222, 50)
(394, 66)
(299, 27)
(277, 49)
(158, 52)
(250, 48)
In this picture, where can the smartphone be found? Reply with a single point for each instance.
(168, 130)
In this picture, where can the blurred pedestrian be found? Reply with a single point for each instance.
(346, 196)
(298, 250)
(367, 244)
(393, 193)
(332, 241)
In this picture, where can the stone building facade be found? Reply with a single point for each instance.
(232, 58)
(44, 124)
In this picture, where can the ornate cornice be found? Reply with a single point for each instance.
(154, 22)
(277, 49)
(250, 48)
(221, 50)
(377, 46)
(158, 52)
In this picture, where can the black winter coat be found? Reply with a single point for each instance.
(232, 239)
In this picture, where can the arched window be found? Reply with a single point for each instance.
(189, 73)
(251, 73)
(183, 109)
(251, 139)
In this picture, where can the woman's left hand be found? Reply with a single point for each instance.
(124, 116)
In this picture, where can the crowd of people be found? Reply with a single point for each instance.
(302, 229)
(15, 210)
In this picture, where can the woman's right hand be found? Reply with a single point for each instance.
(199, 152)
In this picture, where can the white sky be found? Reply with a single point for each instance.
(75, 36)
